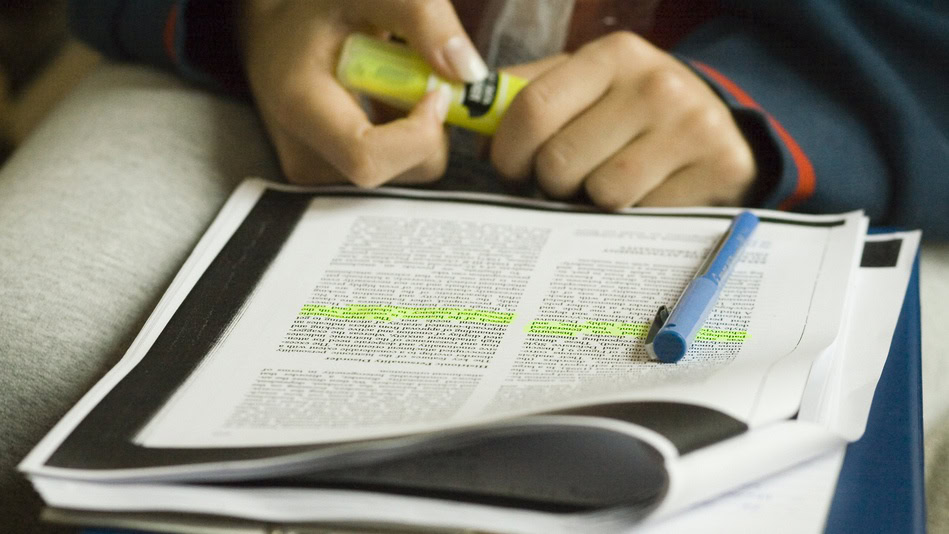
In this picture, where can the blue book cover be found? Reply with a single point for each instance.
(881, 484)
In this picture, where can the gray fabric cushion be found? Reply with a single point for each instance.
(98, 210)
(934, 305)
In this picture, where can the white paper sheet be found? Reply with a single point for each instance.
(795, 501)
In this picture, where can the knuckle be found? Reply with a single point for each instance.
(736, 163)
(664, 84)
(529, 113)
(631, 169)
(625, 44)
(611, 198)
(531, 104)
(360, 168)
(619, 184)
(707, 121)
(503, 161)
(424, 13)
(293, 168)
(554, 159)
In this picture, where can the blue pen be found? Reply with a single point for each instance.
(671, 334)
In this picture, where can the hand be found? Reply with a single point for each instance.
(628, 123)
(320, 133)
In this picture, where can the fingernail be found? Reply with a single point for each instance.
(444, 99)
(465, 59)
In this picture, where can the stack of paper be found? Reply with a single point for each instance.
(476, 362)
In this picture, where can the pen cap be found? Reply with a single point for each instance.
(392, 73)
(686, 319)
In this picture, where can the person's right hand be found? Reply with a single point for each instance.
(320, 132)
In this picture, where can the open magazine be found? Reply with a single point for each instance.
(473, 361)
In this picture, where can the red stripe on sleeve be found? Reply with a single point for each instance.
(169, 35)
(806, 179)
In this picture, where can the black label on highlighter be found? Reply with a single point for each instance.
(480, 96)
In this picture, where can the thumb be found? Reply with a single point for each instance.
(432, 28)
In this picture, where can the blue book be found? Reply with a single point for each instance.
(881, 484)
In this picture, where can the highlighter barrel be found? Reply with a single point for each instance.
(392, 73)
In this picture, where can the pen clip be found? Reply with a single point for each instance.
(702, 270)
(662, 315)
(712, 254)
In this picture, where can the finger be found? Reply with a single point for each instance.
(723, 168)
(428, 171)
(689, 186)
(542, 108)
(332, 123)
(629, 175)
(527, 71)
(302, 164)
(585, 143)
(534, 69)
(721, 179)
(433, 29)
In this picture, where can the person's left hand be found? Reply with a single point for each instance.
(628, 123)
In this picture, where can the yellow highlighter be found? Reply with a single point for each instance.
(392, 73)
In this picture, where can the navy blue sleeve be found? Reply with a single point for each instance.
(846, 103)
(194, 38)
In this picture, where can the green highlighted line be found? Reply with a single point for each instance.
(362, 312)
(596, 328)
(711, 334)
(616, 329)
